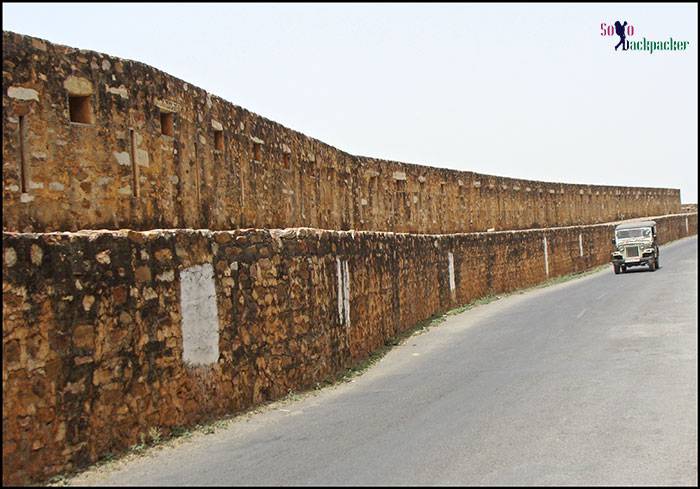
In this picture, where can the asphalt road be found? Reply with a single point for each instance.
(589, 382)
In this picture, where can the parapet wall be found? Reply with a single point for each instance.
(109, 333)
(219, 166)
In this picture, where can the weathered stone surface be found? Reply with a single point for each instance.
(122, 158)
(103, 257)
(79, 346)
(36, 254)
(100, 328)
(21, 93)
(121, 91)
(76, 85)
(143, 274)
(10, 257)
(167, 105)
(266, 176)
(142, 157)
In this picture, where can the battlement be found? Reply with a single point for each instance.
(93, 141)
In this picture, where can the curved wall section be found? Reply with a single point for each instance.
(94, 141)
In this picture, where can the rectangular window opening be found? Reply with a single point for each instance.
(167, 125)
(256, 151)
(80, 108)
(219, 140)
(286, 160)
(22, 155)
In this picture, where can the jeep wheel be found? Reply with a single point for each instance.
(617, 269)
(656, 261)
(653, 265)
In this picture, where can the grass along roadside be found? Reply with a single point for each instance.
(154, 438)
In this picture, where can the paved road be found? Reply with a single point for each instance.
(588, 382)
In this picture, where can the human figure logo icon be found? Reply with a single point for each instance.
(620, 31)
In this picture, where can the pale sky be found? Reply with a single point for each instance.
(525, 91)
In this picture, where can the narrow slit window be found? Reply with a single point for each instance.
(22, 154)
(219, 140)
(286, 159)
(256, 151)
(134, 166)
(167, 124)
(80, 108)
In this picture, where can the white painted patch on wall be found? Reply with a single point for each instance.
(451, 267)
(343, 291)
(546, 255)
(686, 225)
(339, 274)
(346, 292)
(580, 244)
(200, 318)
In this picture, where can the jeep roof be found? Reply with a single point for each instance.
(637, 224)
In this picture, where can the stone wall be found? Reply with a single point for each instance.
(153, 151)
(109, 333)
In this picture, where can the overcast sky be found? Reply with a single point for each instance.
(527, 91)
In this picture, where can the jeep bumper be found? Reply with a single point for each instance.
(633, 261)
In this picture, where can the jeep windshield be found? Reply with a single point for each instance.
(633, 233)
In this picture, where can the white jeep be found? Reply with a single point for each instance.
(635, 245)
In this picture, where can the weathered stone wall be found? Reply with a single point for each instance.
(224, 167)
(109, 333)
(97, 324)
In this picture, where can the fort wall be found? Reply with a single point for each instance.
(91, 141)
(147, 323)
(107, 334)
